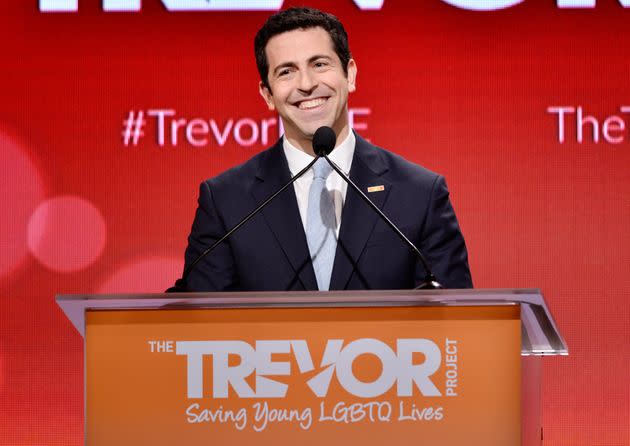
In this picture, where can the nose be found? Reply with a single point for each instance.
(307, 82)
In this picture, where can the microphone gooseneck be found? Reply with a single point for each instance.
(323, 142)
(326, 139)
(181, 285)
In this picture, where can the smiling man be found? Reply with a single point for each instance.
(318, 235)
(306, 81)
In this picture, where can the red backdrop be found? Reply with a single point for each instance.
(86, 209)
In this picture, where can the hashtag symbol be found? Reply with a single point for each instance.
(132, 128)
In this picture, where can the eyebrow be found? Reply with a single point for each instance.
(293, 64)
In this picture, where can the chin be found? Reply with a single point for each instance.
(312, 128)
(308, 132)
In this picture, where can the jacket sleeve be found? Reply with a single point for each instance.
(216, 271)
(442, 242)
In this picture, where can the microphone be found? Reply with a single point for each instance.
(324, 141)
(325, 144)
(321, 139)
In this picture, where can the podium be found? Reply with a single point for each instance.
(447, 367)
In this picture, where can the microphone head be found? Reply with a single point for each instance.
(324, 141)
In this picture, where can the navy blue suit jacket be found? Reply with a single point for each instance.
(270, 251)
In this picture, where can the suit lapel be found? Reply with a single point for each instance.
(282, 214)
(357, 219)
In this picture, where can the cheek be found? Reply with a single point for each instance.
(280, 97)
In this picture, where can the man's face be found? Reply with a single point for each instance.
(309, 88)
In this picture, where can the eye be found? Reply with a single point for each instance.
(285, 71)
(321, 64)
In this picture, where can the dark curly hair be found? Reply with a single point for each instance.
(300, 18)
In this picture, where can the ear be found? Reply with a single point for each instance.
(352, 75)
(266, 95)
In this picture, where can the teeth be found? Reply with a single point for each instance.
(311, 104)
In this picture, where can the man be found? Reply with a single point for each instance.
(318, 234)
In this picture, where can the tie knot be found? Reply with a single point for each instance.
(321, 169)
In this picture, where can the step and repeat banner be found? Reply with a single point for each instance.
(112, 112)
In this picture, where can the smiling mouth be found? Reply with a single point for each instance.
(311, 103)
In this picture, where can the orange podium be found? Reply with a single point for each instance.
(444, 367)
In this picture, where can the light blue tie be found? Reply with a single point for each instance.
(321, 224)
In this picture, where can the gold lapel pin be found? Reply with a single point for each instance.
(376, 188)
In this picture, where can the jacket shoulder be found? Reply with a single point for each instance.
(240, 175)
(400, 170)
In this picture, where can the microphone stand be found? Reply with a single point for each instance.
(430, 282)
(180, 284)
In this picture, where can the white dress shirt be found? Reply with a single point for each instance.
(298, 160)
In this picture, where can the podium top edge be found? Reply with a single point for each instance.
(321, 296)
(287, 299)
(540, 330)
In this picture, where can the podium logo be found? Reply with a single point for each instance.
(398, 368)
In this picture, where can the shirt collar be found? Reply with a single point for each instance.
(341, 155)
